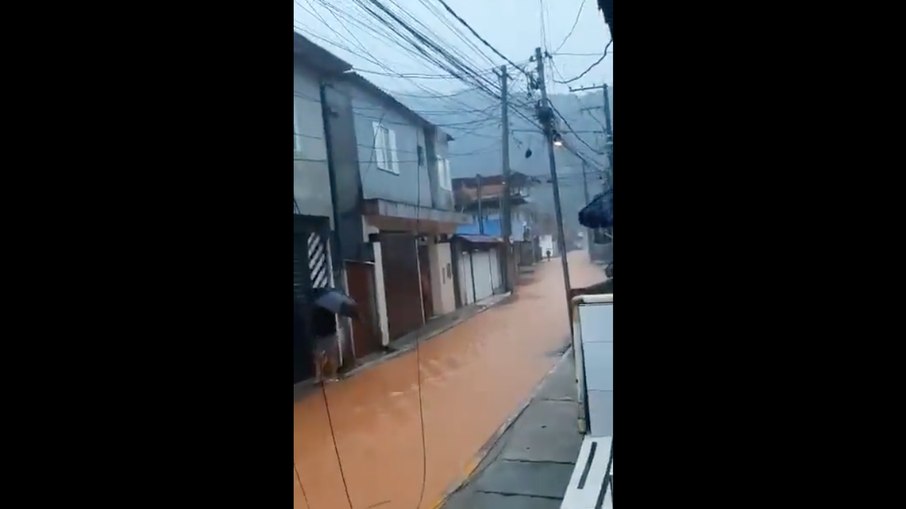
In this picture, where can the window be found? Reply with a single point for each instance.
(421, 156)
(444, 178)
(385, 149)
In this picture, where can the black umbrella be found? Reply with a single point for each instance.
(336, 302)
(598, 213)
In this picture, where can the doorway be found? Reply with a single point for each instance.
(424, 269)
(365, 330)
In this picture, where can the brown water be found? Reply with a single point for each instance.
(474, 377)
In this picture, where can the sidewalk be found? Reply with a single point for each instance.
(530, 465)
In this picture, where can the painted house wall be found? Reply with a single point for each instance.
(311, 179)
(411, 186)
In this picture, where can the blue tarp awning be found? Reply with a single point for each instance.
(491, 228)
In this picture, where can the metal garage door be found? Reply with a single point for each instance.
(466, 291)
(495, 270)
(481, 263)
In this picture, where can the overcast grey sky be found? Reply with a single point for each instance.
(514, 27)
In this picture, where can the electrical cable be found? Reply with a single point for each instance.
(581, 6)
(418, 361)
(480, 38)
(335, 448)
(420, 42)
(455, 30)
(302, 486)
(592, 66)
(452, 60)
(572, 131)
(564, 54)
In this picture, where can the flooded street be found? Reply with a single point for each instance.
(474, 376)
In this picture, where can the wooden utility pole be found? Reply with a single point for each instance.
(506, 225)
(480, 216)
(547, 120)
(608, 135)
(588, 231)
(608, 127)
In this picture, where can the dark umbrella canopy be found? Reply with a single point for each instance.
(598, 213)
(336, 302)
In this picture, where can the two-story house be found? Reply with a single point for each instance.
(394, 209)
(314, 256)
(479, 246)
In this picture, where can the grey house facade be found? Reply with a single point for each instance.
(394, 209)
(314, 251)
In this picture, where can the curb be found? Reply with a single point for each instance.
(505, 297)
(300, 389)
(472, 466)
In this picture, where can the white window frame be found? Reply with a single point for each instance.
(385, 151)
(444, 177)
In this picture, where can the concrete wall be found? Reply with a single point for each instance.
(311, 181)
(442, 292)
(410, 186)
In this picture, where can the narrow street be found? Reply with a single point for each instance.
(474, 377)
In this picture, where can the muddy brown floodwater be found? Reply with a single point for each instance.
(474, 376)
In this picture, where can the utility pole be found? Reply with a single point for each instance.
(587, 199)
(346, 346)
(480, 216)
(608, 128)
(547, 120)
(506, 225)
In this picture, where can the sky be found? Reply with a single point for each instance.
(514, 27)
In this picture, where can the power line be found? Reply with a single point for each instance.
(450, 63)
(418, 76)
(301, 486)
(592, 66)
(363, 49)
(455, 30)
(480, 38)
(563, 54)
(439, 124)
(336, 450)
(581, 6)
(573, 131)
(420, 54)
(449, 154)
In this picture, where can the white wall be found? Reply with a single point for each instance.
(442, 293)
(465, 278)
(380, 293)
(547, 242)
(481, 263)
